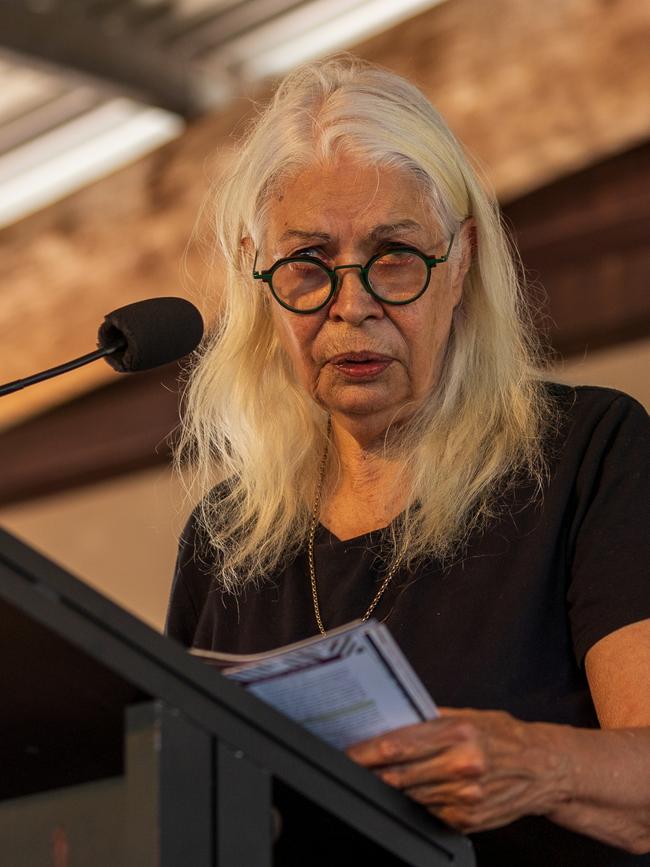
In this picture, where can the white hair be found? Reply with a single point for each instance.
(246, 418)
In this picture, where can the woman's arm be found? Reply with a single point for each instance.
(482, 769)
(617, 802)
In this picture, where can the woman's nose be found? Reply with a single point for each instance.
(352, 302)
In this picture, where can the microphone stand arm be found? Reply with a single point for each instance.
(17, 384)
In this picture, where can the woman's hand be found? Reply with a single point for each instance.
(481, 769)
(475, 769)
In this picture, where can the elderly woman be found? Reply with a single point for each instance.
(372, 436)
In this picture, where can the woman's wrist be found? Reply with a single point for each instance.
(606, 793)
(551, 749)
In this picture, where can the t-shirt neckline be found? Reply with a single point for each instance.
(323, 531)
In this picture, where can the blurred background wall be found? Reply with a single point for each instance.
(115, 116)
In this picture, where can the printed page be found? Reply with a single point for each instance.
(344, 688)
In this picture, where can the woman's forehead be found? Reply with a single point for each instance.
(328, 201)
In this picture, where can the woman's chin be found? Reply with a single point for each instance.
(359, 401)
(366, 419)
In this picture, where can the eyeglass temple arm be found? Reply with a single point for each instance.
(259, 275)
(446, 256)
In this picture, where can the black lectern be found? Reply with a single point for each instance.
(118, 748)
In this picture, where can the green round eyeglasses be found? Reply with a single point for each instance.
(304, 284)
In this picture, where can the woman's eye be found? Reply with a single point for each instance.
(389, 248)
(394, 259)
(315, 252)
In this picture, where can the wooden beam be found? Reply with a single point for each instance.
(121, 427)
(584, 240)
(534, 90)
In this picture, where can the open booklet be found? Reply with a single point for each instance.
(349, 685)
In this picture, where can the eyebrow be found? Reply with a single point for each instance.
(305, 236)
(379, 232)
(392, 228)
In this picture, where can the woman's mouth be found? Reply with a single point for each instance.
(361, 365)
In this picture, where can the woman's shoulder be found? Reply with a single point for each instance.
(590, 416)
(597, 445)
(195, 570)
(586, 401)
(196, 556)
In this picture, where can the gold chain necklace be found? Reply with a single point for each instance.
(310, 550)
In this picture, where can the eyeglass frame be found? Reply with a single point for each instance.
(429, 261)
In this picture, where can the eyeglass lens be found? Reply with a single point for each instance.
(394, 277)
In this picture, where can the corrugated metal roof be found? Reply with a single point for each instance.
(71, 68)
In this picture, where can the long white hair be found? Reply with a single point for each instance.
(246, 419)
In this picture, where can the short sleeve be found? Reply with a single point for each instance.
(610, 534)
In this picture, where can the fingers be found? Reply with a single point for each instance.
(456, 763)
(469, 820)
(473, 806)
(466, 793)
(411, 743)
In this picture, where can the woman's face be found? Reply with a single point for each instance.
(367, 363)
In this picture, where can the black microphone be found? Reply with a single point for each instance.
(150, 333)
(136, 337)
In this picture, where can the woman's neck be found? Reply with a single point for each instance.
(365, 492)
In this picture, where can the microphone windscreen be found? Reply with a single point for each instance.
(154, 331)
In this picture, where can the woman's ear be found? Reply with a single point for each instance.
(247, 247)
(466, 251)
(468, 243)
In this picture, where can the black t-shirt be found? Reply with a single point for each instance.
(509, 624)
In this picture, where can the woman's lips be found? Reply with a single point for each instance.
(361, 365)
